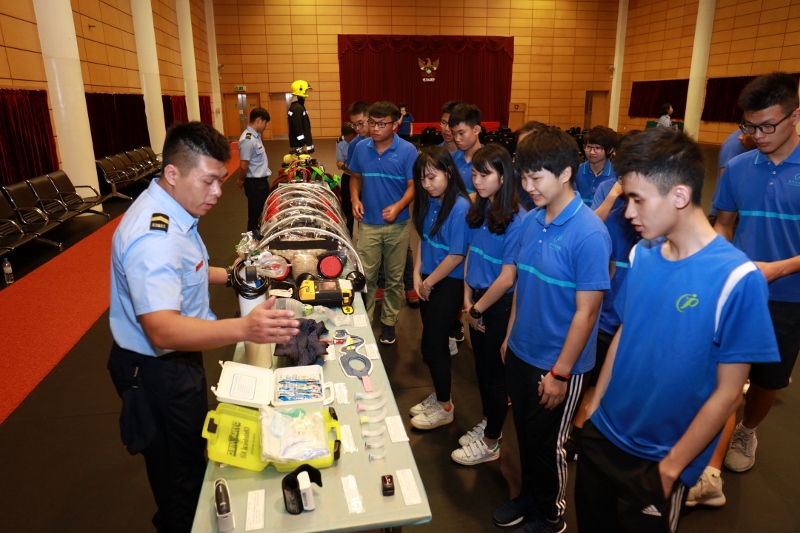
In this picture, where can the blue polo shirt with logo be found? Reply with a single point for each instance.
(488, 252)
(681, 319)
(351, 149)
(586, 182)
(767, 198)
(465, 169)
(384, 177)
(452, 238)
(555, 261)
(623, 237)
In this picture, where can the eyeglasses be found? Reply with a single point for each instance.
(593, 148)
(380, 125)
(358, 125)
(750, 129)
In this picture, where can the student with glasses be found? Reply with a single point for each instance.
(447, 134)
(598, 145)
(762, 187)
(381, 190)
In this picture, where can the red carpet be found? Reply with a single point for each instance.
(74, 290)
(65, 296)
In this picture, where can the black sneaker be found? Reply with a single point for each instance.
(572, 447)
(513, 511)
(457, 333)
(539, 524)
(387, 334)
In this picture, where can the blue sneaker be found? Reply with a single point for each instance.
(539, 524)
(513, 511)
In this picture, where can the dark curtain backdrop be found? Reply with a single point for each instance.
(174, 109)
(118, 122)
(205, 110)
(27, 146)
(384, 67)
(647, 97)
(722, 95)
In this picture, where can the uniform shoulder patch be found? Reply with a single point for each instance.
(159, 222)
(248, 135)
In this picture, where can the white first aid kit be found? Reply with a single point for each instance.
(282, 388)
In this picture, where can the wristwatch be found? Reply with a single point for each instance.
(474, 313)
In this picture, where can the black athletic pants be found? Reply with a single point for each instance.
(541, 434)
(175, 388)
(488, 364)
(437, 317)
(619, 492)
(257, 191)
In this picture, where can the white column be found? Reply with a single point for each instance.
(145, 33)
(216, 98)
(699, 68)
(619, 57)
(188, 64)
(62, 67)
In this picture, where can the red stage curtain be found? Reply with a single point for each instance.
(385, 67)
(647, 97)
(27, 146)
(205, 110)
(117, 121)
(722, 95)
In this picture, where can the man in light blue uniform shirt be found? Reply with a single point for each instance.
(763, 187)
(160, 319)
(254, 169)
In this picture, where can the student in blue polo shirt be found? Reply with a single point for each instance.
(562, 272)
(735, 144)
(495, 219)
(609, 204)
(381, 189)
(763, 188)
(439, 211)
(694, 315)
(598, 145)
(447, 134)
(465, 123)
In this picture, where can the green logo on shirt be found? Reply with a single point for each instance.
(686, 301)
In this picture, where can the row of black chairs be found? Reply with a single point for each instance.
(32, 208)
(128, 167)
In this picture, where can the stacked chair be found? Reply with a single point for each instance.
(128, 167)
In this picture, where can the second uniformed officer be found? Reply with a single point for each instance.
(254, 169)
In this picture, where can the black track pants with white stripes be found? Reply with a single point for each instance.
(541, 434)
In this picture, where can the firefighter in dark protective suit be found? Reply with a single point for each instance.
(299, 123)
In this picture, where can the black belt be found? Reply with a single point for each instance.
(257, 177)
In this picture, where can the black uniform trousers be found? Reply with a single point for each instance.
(174, 388)
(257, 191)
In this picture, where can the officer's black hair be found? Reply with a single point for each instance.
(664, 157)
(775, 88)
(384, 109)
(550, 149)
(347, 129)
(469, 114)
(259, 112)
(358, 108)
(186, 141)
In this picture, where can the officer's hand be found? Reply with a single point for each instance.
(358, 209)
(266, 325)
(240, 183)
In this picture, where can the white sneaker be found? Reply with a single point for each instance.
(423, 405)
(475, 453)
(473, 434)
(746, 387)
(433, 417)
(708, 490)
(741, 454)
(453, 346)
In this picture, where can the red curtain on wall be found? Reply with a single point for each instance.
(647, 97)
(722, 95)
(117, 121)
(205, 110)
(385, 67)
(174, 109)
(27, 146)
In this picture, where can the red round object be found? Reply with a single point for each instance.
(330, 267)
